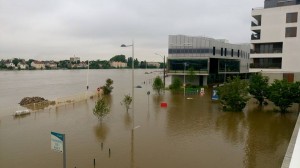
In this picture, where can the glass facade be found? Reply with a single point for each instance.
(199, 65)
(229, 65)
(190, 51)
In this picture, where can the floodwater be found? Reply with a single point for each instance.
(188, 133)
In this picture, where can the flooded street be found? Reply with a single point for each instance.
(188, 133)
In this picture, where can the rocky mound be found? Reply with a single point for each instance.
(30, 100)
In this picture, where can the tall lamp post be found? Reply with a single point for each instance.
(185, 64)
(132, 62)
(164, 69)
(225, 74)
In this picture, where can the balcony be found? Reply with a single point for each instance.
(253, 24)
(255, 37)
(274, 51)
(257, 21)
(267, 48)
(266, 65)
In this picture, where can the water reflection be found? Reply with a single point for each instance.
(127, 120)
(268, 133)
(21, 116)
(233, 126)
(186, 116)
(101, 131)
(157, 99)
(188, 133)
(40, 106)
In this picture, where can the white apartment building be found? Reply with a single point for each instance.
(116, 64)
(22, 65)
(153, 64)
(37, 65)
(276, 39)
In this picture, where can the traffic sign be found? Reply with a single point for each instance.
(57, 141)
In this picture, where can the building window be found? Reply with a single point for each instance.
(268, 48)
(291, 32)
(231, 52)
(238, 53)
(214, 50)
(292, 17)
(225, 51)
(221, 51)
(266, 63)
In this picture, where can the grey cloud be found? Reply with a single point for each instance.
(95, 28)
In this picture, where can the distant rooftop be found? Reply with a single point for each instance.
(279, 3)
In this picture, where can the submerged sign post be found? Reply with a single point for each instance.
(214, 95)
(58, 144)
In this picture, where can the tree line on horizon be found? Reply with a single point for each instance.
(93, 64)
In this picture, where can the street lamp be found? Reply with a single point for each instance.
(185, 64)
(148, 93)
(132, 62)
(164, 69)
(225, 74)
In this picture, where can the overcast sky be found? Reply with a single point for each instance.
(95, 29)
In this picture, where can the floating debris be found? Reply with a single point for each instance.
(30, 100)
(21, 112)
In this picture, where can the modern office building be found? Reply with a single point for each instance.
(208, 60)
(276, 39)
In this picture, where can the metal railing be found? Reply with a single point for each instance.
(275, 50)
(266, 66)
(197, 72)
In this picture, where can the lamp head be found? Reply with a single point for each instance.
(123, 45)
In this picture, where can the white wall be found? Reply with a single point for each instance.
(273, 24)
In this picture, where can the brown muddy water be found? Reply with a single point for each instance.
(189, 133)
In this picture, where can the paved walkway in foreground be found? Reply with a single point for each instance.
(292, 156)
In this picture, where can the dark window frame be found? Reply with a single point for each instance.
(291, 32)
(292, 17)
(221, 51)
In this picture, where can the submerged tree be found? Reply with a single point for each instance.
(107, 88)
(234, 94)
(282, 94)
(127, 101)
(101, 109)
(119, 58)
(175, 85)
(158, 85)
(191, 74)
(296, 92)
(259, 87)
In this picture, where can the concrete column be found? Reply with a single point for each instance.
(205, 80)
